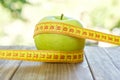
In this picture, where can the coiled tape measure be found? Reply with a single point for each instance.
(59, 56)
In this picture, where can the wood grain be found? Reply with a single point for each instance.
(99, 64)
(102, 66)
(52, 71)
(24, 70)
(114, 55)
(9, 67)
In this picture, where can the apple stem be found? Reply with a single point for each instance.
(61, 16)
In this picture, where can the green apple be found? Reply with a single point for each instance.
(58, 41)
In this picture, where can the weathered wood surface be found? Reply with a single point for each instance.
(99, 64)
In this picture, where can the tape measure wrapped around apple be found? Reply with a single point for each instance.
(58, 42)
(59, 39)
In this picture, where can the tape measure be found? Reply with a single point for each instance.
(59, 56)
(43, 55)
(78, 32)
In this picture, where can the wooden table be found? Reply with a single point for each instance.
(99, 64)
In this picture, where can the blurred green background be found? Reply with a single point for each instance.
(19, 17)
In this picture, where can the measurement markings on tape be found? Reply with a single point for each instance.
(78, 32)
(42, 55)
(59, 56)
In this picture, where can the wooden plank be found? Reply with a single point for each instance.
(8, 67)
(114, 54)
(52, 71)
(102, 67)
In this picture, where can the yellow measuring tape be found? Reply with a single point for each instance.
(43, 55)
(70, 30)
(59, 56)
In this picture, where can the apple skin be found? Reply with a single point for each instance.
(58, 41)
